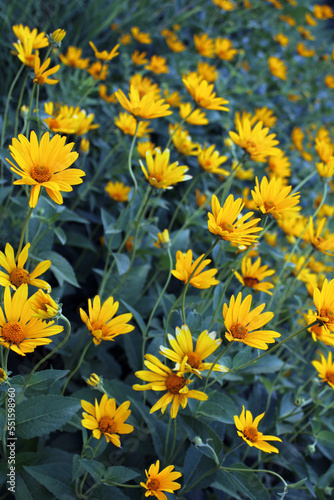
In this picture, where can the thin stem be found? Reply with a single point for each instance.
(23, 232)
(231, 451)
(181, 202)
(78, 365)
(231, 469)
(177, 128)
(17, 114)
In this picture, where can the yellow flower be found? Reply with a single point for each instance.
(98, 70)
(210, 160)
(146, 107)
(118, 191)
(68, 119)
(128, 124)
(161, 378)
(143, 147)
(140, 37)
(58, 36)
(252, 275)
(73, 58)
(106, 419)
(255, 141)
(204, 45)
(188, 359)
(197, 117)
(224, 49)
(224, 4)
(163, 240)
(305, 33)
(326, 170)
(45, 165)
(101, 322)
(158, 482)
(42, 73)
(144, 85)
(225, 222)
(139, 58)
(157, 65)
(175, 44)
(277, 67)
(94, 380)
(84, 146)
(21, 331)
(174, 98)
(23, 33)
(324, 303)
(329, 81)
(247, 429)
(310, 20)
(203, 94)
(207, 72)
(182, 141)
(274, 198)
(325, 243)
(125, 39)
(185, 266)
(289, 20)
(297, 136)
(201, 198)
(160, 173)
(24, 51)
(16, 274)
(279, 166)
(3, 376)
(266, 116)
(43, 305)
(304, 51)
(103, 94)
(325, 369)
(281, 39)
(105, 55)
(325, 149)
(323, 12)
(319, 332)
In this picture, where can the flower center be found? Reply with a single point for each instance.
(107, 425)
(18, 277)
(153, 484)
(13, 332)
(328, 314)
(174, 383)
(99, 325)
(227, 227)
(40, 173)
(330, 377)
(251, 434)
(251, 281)
(269, 205)
(194, 360)
(239, 331)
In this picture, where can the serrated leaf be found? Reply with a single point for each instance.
(61, 268)
(326, 437)
(122, 262)
(119, 474)
(219, 407)
(94, 468)
(54, 477)
(42, 380)
(249, 483)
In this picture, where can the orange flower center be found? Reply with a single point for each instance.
(13, 332)
(251, 281)
(153, 484)
(327, 313)
(40, 173)
(239, 331)
(194, 360)
(269, 205)
(251, 434)
(99, 325)
(107, 425)
(330, 377)
(174, 383)
(227, 227)
(18, 277)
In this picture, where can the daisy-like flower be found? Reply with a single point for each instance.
(20, 331)
(255, 141)
(182, 141)
(207, 72)
(201, 198)
(279, 166)
(73, 58)
(98, 70)
(304, 51)
(43, 305)
(57, 37)
(146, 107)
(224, 49)
(160, 173)
(16, 274)
(163, 240)
(197, 117)
(118, 191)
(297, 136)
(45, 164)
(204, 45)
(253, 274)
(162, 378)
(105, 55)
(266, 116)
(274, 198)
(157, 65)
(188, 359)
(141, 37)
(323, 12)
(144, 85)
(172, 98)
(329, 81)
(277, 67)
(185, 266)
(325, 369)
(324, 243)
(210, 160)
(243, 325)
(105, 96)
(175, 44)
(139, 58)
(101, 321)
(324, 303)
(202, 93)
(24, 51)
(324, 148)
(94, 380)
(158, 482)
(69, 119)
(282, 39)
(319, 332)
(143, 147)
(326, 170)
(224, 4)
(3, 376)
(106, 419)
(39, 40)
(128, 124)
(310, 20)
(225, 222)
(42, 73)
(247, 429)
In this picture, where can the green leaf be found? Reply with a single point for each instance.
(268, 364)
(327, 437)
(44, 414)
(61, 268)
(197, 428)
(298, 484)
(78, 240)
(136, 315)
(42, 380)
(248, 483)
(61, 235)
(132, 286)
(94, 468)
(219, 407)
(122, 262)
(119, 474)
(65, 214)
(131, 342)
(54, 477)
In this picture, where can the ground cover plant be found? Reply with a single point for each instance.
(167, 290)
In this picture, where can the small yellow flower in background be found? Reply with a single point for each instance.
(161, 378)
(147, 107)
(325, 369)
(118, 191)
(276, 4)
(73, 58)
(323, 12)
(207, 72)
(174, 98)
(42, 73)
(157, 65)
(106, 419)
(197, 117)
(94, 380)
(23, 33)
(305, 33)
(163, 240)
(22, 332)
(58, 36)
(319, 332)
(144, 85)
(225, 222)
(105, 55)
(188, 359)
(101, 321)
(185, 266)
(324, 303)
(325, 210)
(210, 160)
(143, 38)
(203, 94)
(279, 166)
(103, 94)
(158, 482)
(325, 149)
(17, 275)
(281, 39)
(129, 244)
(175, 44)
(204, 45)
(143, 147)
(44, 306)
(273, 198)
(288, 19)
(329, 81)
(3, 376)
(139, 58)
(297, 136)
(68, 119)
(224, 4)
(253, 274)
(247, 429)
(266, 116)
(324, 243)
(98, 70)
(128, 124)
(243, 325)
(326, 170)
(84, 146)
(310, 20)
(277, 67)
(255, 141)
(160, 173)
(224, 49)
(182, 141)
(201, 198)
(271, 239)
(304, 51)
(45, 164)
(125, 39)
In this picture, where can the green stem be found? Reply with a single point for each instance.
(177, 128)
(231, 469)
(181, 202)
(17, 114)
(23, 232)
(78, 365)
(168, 318)
(231, 451)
